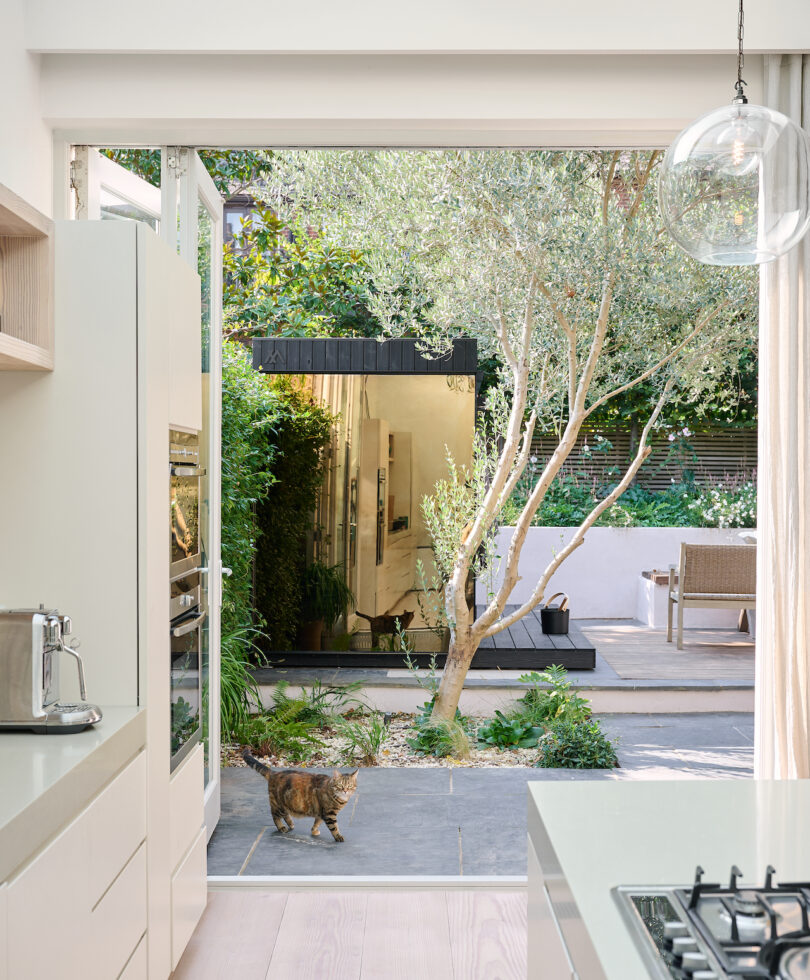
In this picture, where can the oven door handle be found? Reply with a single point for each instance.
(192, 624)
(187, 470)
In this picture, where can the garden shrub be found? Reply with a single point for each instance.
(727, 503)
(285, 513)
(541, 705)
(571, 745)
(364, 739)
(442, 739)
(507, 733)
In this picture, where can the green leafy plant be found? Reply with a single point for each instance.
(322, 705)
(326, 595)
(506, 733)
(302, 431)
(568, 745)
(282, 732)
(364, 739)
(557, 702)
(184, 721)
(239, 693)
(440, 739)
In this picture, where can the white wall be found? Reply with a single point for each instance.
(601, 576)
(560, 100)
(25, 145)
(419, 25)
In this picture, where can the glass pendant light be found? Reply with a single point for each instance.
(734, 187)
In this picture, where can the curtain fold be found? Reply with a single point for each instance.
(782, 721)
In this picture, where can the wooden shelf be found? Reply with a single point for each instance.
(26, 286)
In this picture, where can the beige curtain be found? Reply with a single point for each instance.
(782, 739)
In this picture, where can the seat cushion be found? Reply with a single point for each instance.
(719, 596)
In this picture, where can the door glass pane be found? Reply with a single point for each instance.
(205, 227)
(116, 208)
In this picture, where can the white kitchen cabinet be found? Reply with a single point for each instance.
(89, 885)
(3, 932)
(136, 969)
(186, 810)
(189, 896)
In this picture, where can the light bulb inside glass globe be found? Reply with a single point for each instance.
(734, 186)
(738, 145)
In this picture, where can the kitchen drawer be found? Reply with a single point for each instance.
(3, 932)
(186, 806)
(51, 889)
(189, 896)
(116, 826)
(118, 921)
(137, 966)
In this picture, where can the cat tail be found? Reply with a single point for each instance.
(260, 767)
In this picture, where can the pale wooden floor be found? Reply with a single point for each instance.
(251, 934)
(636, 652)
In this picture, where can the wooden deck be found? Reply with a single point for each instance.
(523, 646)
(358, 935)
(637, 652)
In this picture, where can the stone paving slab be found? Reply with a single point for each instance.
(459, 821)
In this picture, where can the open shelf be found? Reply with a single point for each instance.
(26, 286)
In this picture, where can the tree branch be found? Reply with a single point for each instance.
(579, 535)
(702, 322)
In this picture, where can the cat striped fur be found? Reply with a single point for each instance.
(294, 793)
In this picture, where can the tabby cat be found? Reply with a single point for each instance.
(386, 625)
(305, 794)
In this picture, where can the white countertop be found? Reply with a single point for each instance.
(46, 780)
(592, 836)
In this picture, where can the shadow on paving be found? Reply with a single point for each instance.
(458, 821)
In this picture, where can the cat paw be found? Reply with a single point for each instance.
(284, 830)
(316, 833)
(339, 838)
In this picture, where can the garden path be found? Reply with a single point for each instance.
(458, 821)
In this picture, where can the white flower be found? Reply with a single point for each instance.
(533, 460)
(671, 437)
(686, 432)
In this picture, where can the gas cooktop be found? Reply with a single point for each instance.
(710, 931)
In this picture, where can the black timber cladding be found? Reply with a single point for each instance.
(350, 355)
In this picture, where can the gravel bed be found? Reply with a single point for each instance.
(395, 754)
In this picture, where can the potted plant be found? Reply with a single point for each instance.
(325, 598)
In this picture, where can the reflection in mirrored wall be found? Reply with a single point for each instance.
(389, 445)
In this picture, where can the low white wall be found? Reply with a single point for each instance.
(601, 576)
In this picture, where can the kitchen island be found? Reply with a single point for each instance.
(586, 838)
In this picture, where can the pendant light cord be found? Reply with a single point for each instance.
(739, 97)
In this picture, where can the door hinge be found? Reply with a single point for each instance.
(177, 162)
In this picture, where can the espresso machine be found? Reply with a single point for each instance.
(32, 642)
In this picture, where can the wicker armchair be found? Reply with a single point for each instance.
(712, 576)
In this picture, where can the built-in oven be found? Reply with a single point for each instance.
(188, 615)
(185, 473)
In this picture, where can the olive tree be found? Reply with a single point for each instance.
(556, 263)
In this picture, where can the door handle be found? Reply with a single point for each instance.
(192, 624)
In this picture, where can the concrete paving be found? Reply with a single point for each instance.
(459, 821)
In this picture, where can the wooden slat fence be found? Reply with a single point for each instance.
(711, 456)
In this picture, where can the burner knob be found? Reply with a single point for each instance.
(683, 944)
(674, 929)
(692, 962)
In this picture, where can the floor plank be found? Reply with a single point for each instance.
(321, 935)
(234, 938)
(637, 652)
(407, 937)
(487, 935)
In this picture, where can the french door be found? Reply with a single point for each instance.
(186, 211)
(191, 222)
